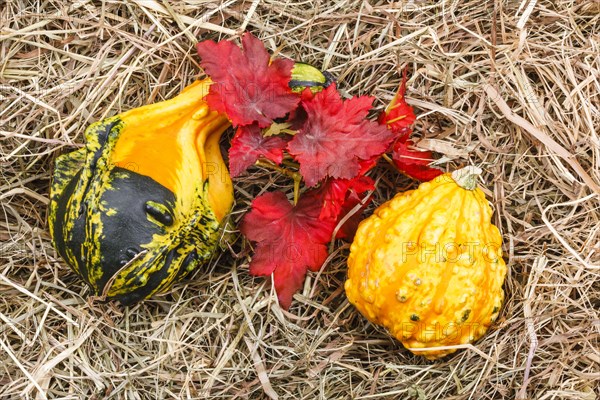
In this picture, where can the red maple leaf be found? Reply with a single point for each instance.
(247, 86)
(348, 229)
(334, 193)
(398, 115)
(414, 163)
(338, 197)
(289, 240)
(249, 144)
(336, 136)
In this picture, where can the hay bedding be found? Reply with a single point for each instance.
(64, 65)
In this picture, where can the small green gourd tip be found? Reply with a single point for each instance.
(466, 177)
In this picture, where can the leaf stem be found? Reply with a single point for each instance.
(389, 160)
(290, 174)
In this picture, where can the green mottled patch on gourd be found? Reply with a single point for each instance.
(306, 76)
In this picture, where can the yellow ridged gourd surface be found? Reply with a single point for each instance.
(427, 265)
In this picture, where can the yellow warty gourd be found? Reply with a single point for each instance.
(427, 265)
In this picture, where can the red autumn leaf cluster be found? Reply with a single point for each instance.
(331, 140)
(293, 239)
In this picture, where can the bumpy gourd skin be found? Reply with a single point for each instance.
(140, 206)
(427, 265)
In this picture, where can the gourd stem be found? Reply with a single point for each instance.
(466, 177)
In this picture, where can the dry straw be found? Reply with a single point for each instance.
(511, 87)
